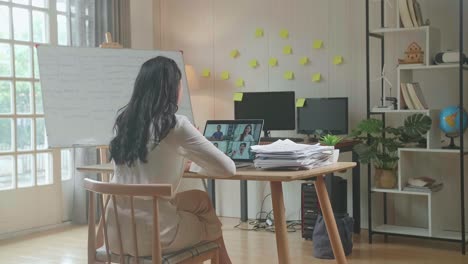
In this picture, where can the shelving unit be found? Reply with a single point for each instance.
(436, 209)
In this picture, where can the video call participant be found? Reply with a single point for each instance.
(241, 153)
(246, 134)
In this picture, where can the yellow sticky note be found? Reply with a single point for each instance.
(206, 73)
(273, 62)
(240, 82)
(318, 44)
(300, 102)
(234, 53)
(225, 75)
(317, 77)
(338, 60)
(284, 33)
(238, 97)
(287, 49)
(303, 60)
(253, 63)
(259, 32)
(289, 75)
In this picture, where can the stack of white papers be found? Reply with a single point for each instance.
(288, 154)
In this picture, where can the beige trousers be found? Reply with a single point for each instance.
(198, 220)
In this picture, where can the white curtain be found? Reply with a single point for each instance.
(83, 34)
(83, 22)
(113, 16)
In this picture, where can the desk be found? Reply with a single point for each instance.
(276, 178)
(344, 146)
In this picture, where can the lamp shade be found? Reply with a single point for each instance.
(192, 78)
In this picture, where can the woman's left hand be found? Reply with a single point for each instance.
(187, 166)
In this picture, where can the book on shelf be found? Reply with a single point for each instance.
(405, 15)
(411, 97)
(417, 97)
(423, 184)
(417, 9)
(405, 100)
(410, 13)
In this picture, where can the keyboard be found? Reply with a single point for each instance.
(243, 164)
(273, 139)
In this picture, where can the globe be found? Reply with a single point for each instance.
(450, 122)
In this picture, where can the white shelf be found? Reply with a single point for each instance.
(403, 230)
(409, 111)
(396, 30)
(428, 67)
(396, 191)
(454, 235)
(450, 151)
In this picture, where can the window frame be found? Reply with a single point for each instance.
(51, 32)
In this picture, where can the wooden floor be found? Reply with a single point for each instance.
(68, 246)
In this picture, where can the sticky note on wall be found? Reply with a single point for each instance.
(240, 82)
(273, 62)
(238, 97)
(234, 54)
(225, 75)
(206, 73)
(338, 60)
(289, 75)
(284, 33)
(318, 44)
(259, 32)
(287, 49)
(300, 102)
(304, 60)
(253, 63)
(317, 77)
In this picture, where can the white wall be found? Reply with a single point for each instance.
(207, 30)
(141, 24)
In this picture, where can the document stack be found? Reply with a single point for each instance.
(289, 155)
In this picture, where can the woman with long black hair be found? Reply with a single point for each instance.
(150, 147)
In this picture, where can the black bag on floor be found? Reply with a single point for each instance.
(322, 246)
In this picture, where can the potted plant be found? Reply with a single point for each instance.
(331, 140)
(379, 145)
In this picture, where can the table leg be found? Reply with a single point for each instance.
(211, 192)
(280, 222)
(330, 222)
(243, 195)
(356, 194)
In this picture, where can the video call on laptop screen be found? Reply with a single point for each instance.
(234, 137)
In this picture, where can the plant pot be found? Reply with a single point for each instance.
(335, 156)
(385, 179)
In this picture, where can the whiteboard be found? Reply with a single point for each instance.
(83, 89)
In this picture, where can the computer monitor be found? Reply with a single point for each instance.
(234, 137)
(277, 109)
(323, 115)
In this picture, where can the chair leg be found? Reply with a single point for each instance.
(215, 259)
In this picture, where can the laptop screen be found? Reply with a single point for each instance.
(234, 137)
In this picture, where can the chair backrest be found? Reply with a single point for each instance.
(111, 190)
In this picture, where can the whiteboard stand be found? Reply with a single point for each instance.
(109, 44)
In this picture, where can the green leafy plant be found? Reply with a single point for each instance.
(330, 140)
(379, 145)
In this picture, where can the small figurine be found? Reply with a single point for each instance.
(414, 55)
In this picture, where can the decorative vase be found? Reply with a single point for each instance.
(385, 179)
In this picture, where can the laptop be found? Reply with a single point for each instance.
(235, 137)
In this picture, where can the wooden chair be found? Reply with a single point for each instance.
(196, 254)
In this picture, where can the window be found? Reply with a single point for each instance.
(25, 159)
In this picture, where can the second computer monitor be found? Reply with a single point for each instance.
(277, 109)
(323, 115)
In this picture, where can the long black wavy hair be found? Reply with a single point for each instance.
(151, 109)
